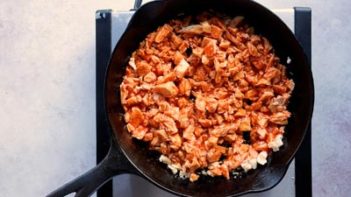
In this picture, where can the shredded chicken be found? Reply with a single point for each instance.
(211, 96)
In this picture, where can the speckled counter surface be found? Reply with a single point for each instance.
(47, 93)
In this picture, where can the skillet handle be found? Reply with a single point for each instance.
(85, 185)
(137, 4)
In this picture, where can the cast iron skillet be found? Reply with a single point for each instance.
(145, 163)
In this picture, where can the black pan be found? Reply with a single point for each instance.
(145, 163)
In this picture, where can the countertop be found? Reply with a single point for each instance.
(47, 93)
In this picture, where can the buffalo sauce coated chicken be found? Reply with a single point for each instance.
(208, 94)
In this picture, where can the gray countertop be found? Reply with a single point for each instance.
(47, 93)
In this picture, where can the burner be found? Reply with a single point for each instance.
(109, 27)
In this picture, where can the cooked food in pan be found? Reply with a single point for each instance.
(208, 94)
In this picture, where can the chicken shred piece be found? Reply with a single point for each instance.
(163, 33)
(166, 89)
(181, 68)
